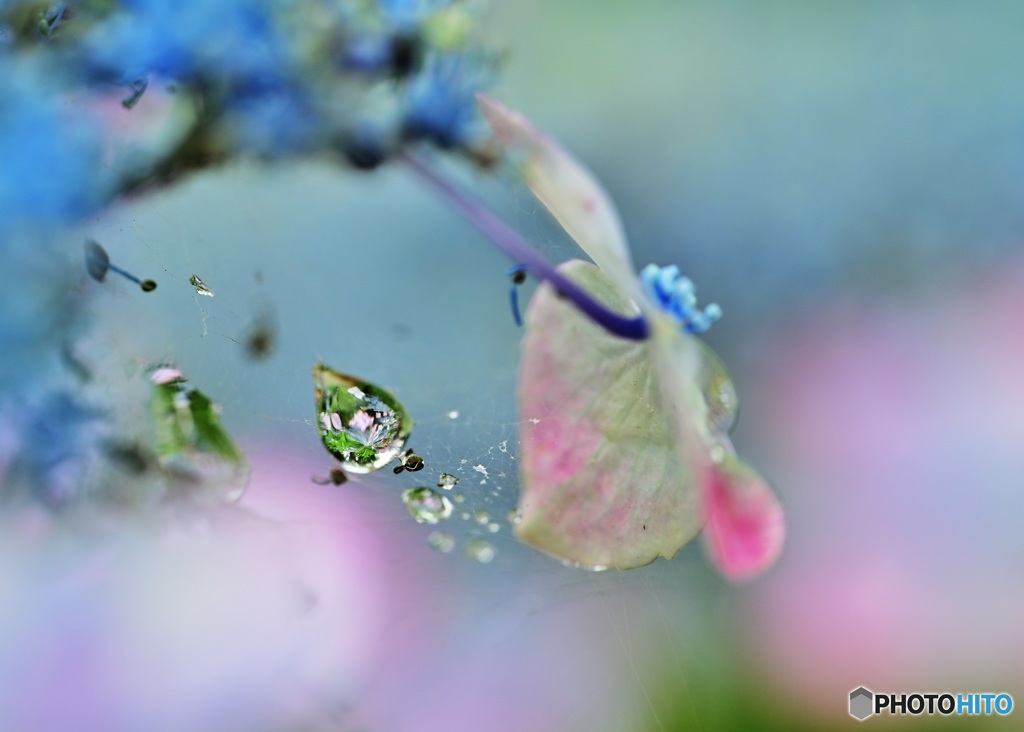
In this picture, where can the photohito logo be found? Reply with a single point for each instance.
(864, 703)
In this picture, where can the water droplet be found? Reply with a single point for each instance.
(464, 516)
(481, 517)
(503, 445)
(717, 453)
(426, 505)
(447, 481)
(480, 549)
(481, 469)
(454, 414)
(515, 517)
(362, 425)
(493, 527)
(718, 391)
(458, 498)
(201, 288)
(442, 541)
(584, 567)
(191, 446)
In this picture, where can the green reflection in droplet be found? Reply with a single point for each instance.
(364, 426)
(426, 505)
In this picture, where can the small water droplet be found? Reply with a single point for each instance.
(363, 426)
(584, 567)
(717, 453)
(458, 498)
(481, 469)
(454, 414)
(503, 445)
(426, 505)
(442, 541)
(481, 550)
(719, 392)
(200, 286)
(447, 481)
(493, 527)
(464, 516)
(481, 517)
(515, 517)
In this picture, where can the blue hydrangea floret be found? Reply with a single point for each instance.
(676, 295)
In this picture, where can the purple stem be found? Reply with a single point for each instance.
(522, 252)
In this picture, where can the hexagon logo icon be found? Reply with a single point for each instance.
(861, 703)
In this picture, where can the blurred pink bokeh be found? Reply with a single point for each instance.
(895, 429)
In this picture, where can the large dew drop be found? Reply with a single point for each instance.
(426, 505)
(362, 425)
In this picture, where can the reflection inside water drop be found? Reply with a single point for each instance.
(363, 426)
(426, 505)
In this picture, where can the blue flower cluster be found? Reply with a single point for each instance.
(676, 295)
(353, 79)
(276, 78)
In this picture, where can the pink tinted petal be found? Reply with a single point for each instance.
(604, 482)
(568, 190)
(745, 527)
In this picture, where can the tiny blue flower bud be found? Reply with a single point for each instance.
(676, 295)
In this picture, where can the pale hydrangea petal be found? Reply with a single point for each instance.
(745, 529)
(568, 190)
(604, 482)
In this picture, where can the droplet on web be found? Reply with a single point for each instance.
(191, 446)
(364, 426)
(481, 517)
(480, 549)
(447, 481)
(454, 414)
(426, 505)
(200, 286)
(442, 541)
